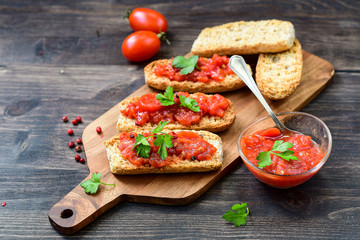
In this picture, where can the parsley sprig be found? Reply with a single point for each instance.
(238, 215)
(162, 140)
(91, 185)
(187, 65)
(167, 99)
(280, 149)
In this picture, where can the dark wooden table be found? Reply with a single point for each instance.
(64, 58)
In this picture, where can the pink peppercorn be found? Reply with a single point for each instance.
(74, 122)
(3, 204)
(98, 129)
(79, 141)
(70, 131)
(82, 160)
(78, 148)
(71, 144)
(65, 118)
(78, 119)
(77, 158)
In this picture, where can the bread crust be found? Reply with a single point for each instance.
(279, 74)
(245, 37)
(230, 83)
(207, 123)
(119, 165)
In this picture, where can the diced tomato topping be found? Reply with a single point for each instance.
(308, 153)
(149, 109)
(210, 69)
(186, 146)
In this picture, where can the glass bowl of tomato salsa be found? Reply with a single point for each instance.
(311, 144)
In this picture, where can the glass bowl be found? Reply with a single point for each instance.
(298, 121)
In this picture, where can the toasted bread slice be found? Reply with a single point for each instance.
(207, 123)
(230, 83)
(279, 74)
(120, 165)
(244, 37)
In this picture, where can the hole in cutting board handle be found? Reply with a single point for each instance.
(66, 213)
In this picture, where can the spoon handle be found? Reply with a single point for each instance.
(238, 65)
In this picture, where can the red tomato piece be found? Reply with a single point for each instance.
(271, 132)
(148, 20)
(140, 46)
(149, 103)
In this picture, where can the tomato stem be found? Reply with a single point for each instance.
(127, 14)
(162, 37)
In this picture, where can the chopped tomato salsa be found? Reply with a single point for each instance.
(149, 109)
(306, 150)
(186, 146)
(210, 69)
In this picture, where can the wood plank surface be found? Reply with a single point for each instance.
(82, 208)
(64, 58)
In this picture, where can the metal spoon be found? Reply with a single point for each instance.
(238, 65)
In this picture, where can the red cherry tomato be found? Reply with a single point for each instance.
(140, 46)
(147, 19)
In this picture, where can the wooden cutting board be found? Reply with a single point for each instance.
(77, 209)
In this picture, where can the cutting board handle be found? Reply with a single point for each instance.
(77, 209)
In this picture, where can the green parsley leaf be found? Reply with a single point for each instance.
(280, 149)
(162, 140)
(187, 65)
(167, 98)
(143, 150)
(91, 185)
(189, 103)
(159, 139)
(264, 159)
(162, 151)
(141, 139)
(142, 146)
(159, 127)
(193, 60)
(287, 155)
(277, 144)
(167, 141)
(96, 177)
(237, 215)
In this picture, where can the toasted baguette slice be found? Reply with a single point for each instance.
(208, 123)
(119, 165)
(279, 74)
(230, 83)
(243, 37)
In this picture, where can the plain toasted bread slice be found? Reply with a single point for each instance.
(245, 37)
(120, 165)
(208, 123)
(230, 83)
(279, 74)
